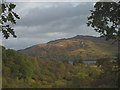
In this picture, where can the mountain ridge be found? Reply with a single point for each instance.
(77, 37)
(84, 47)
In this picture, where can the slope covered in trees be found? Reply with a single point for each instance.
(22, 71)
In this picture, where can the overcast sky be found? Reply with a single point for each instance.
(43, 22)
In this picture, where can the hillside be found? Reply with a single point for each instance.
(22, 71)
(78, 47)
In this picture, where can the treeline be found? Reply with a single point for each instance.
(22, 71)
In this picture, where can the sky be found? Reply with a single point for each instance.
(43, 22)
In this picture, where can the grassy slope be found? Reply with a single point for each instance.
(87, 49)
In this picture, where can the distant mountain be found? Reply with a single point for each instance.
(78, 47)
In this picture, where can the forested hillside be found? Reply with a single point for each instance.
(22, 71)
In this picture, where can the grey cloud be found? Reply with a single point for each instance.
(68, 25)
(49, 21)
(37, 16)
